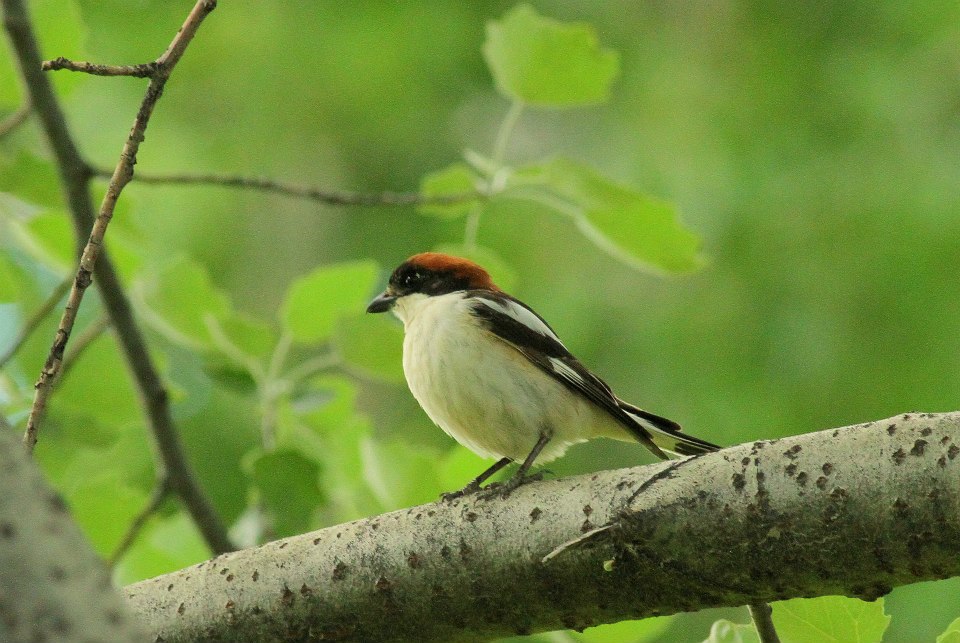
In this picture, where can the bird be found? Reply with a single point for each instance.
(493, 374)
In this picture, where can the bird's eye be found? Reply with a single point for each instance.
(411, 278)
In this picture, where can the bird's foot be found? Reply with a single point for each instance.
(504, 489)
(469, 490)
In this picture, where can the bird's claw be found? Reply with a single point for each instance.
(503, 490)
(469, 490)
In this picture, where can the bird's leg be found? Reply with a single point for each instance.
(520, 477)
(474, 485)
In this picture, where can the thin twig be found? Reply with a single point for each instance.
(75, 175)
(145, 70)
(312, 366)
(82, 341)
(121, 176)
(160, 492)
(576, 542)
(762, 615)
(36, 319)
(16, 118)
(330, 197)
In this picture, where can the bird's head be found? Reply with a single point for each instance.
(431, 274)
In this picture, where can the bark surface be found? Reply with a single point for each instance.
(853, 511)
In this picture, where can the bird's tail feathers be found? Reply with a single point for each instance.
(666, 434)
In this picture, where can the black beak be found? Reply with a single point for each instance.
(383, 302)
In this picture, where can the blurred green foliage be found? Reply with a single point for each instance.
(811, 149)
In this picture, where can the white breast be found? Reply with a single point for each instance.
(480, 390)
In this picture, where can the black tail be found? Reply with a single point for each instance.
(666, 434)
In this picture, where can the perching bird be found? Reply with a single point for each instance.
(492, 373)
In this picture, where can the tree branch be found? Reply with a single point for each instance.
(121, 176)
(330, 197)
(75, 175)
(161, 490)
(82, 341)
(853, 511)
(55, 588)
(16, 118)
(145, 70)
(35, 320)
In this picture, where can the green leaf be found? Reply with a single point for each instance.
(331, 402)
(545, 62)
(166, 543)
(98, 387)
(315, 302)
(252, 336)
(502, 272)
(9, 284)
(452, 181)
(62, 31)
(830, 619)
(627, 224)
(648, 629)
(724, 631)
(49, 237)
(31, 179)
(400, 474)
(230, 376)
(460, 465)
(951, 634)
(180, 298)
(103, 507)
(372, 344)
(288, 483)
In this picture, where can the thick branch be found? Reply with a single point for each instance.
(55, 588)
(75, 175)
(853, 511)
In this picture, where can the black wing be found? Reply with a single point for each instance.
(519, 326)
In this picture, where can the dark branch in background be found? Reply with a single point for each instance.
(75, 176)
(82, 341)
(330, 197)
(852, 511)
(16, 119)
(160, 492)
(35, 320)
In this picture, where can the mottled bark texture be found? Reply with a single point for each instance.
(53, 587)
(853, 511)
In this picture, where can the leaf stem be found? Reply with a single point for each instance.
(505, 130)
(271, 388)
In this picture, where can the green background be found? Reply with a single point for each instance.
(813, 147)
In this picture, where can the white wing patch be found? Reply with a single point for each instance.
(518, 313)
(566, 372)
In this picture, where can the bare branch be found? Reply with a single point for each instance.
(160, 492)
(82, 341)
(330, 197)
(853, 511)
(145, 70)
(75, 175)
(35, 320)
(91, 252)
(16, 119)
